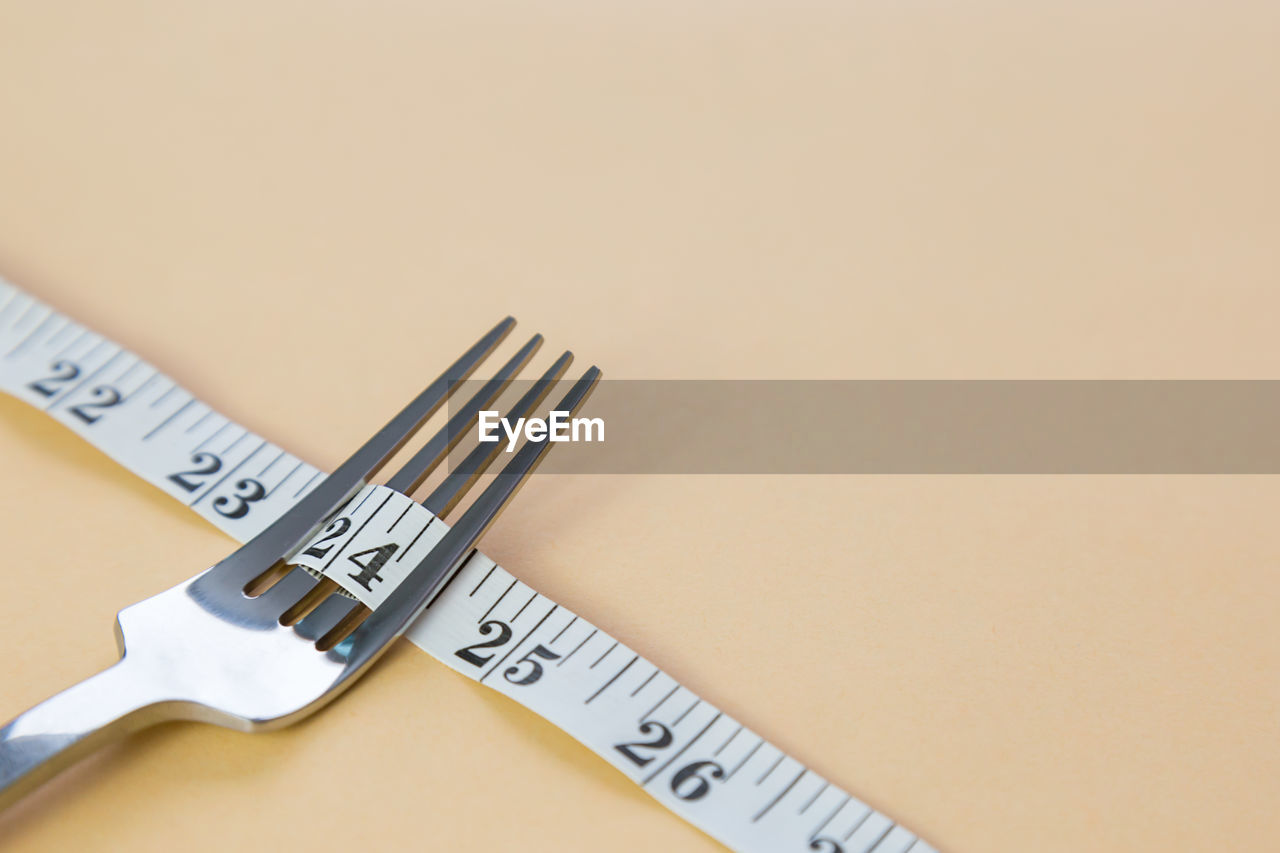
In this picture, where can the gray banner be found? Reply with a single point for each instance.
(914, 427)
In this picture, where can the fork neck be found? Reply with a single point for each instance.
(46, 739)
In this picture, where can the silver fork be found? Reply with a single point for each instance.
(252, 644)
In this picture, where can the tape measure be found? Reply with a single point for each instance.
(488, 625)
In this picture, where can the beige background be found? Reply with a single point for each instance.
(269, 199)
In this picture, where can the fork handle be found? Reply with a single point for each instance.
(61, 730)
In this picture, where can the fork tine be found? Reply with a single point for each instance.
(296, 525)
(417, 469)
(309, 601)
(440, 502)
(350, 621)
(449, 492)
(288, 589)
(321, 621)
(429, 576)
(429, 456)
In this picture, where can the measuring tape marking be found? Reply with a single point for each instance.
(486, 624)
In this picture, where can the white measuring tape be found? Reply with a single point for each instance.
(697, 761)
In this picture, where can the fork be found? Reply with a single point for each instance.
(253, 644)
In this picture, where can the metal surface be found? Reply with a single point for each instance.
(205, 650)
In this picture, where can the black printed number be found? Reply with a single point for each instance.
(63, 372)
(369, 562)
(504, 634)
(336, 528)
(662, 741)
(513, 672)
(690, 784)
(206, 463)
(104, 398)
(825, 845)
(236, 504)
